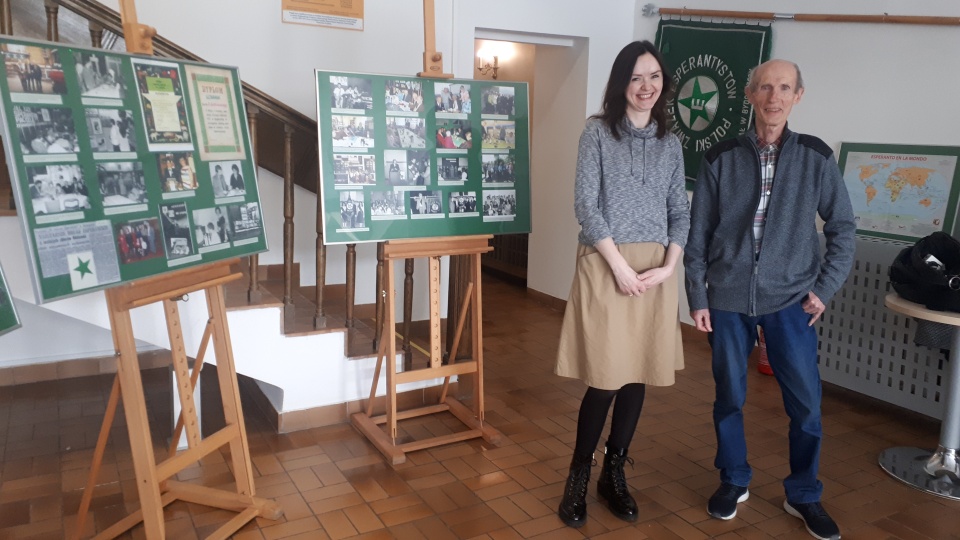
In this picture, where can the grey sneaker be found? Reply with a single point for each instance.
(723, 503)
(819, 523)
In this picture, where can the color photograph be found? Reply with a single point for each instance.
(162, 103)
(452, 98)
(57, 188)
(100, 75)
(499, 134)
(498, 100)
(498, 168)
(111, 130)
(177, 172)
(499, 204)
(33, 70)
(454, 134)
(351, 131)
(403, 132)
(404, 96)
(122, 183)
(137, 240)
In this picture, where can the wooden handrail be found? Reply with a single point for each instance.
(812, 17)
(110, 20)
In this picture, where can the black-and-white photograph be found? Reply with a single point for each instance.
(245, 220)
(350, 93)
(454, 134)
(426, 204)
(463, 203)
(111, 130)
(406, 132)
(175, 224)
(57, 188)
(407, 167)
(137, 240)
(354, 169)
(499, 134)
(33, 70)
(211, 227)
(388, 205)
(177, 172)
(452, 169)
(498, 100)
(352, 210)
(100, 75)
(46, 130)
(122, 183)
(404, 95)
(351, 131)
(452, 98)
(498, 168)
(499, 204)
(226, 178)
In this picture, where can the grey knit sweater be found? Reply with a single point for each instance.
(631, 190)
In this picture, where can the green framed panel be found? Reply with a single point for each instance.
(9, 320)
(125, 166)
(405, 157)
(901, 192)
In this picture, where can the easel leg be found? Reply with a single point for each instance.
(194, 377)
(464, 308)
(138, 426)
(229, 391)
(98, 452)
(391, 358)
(478, 406)
(188, 409)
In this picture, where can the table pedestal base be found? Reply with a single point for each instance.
(910, 466)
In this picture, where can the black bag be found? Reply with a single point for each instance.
(928, 272)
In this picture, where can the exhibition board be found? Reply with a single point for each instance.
(9, 320)
(406, 157)
(125, 166)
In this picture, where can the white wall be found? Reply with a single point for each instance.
(561, 74)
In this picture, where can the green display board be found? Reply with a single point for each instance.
(404, 157)
(9, 320)
(125, 166)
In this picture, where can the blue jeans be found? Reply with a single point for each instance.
(792, 348)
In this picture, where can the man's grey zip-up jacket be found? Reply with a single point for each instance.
(722, 271)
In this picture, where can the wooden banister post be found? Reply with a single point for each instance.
(288, 223)
(351, 282)
(6, 18)
(320, 317)
(407, 313)
(53, 30)
(96, 35)
(378, 299)
(253, 289)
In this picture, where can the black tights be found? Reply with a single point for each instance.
(593, 414)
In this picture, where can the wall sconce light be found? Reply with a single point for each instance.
(485, 68)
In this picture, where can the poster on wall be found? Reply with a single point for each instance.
(216, 113)
(113, 180)
(347, 14)
(901, 192)
(710, 63)
(404, 157)
(9, 320)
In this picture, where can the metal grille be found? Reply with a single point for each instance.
(868, 348)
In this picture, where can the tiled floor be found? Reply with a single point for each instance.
(333, 484)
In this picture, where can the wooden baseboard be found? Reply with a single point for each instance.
(551, 302)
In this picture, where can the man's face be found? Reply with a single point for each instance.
(774, 93)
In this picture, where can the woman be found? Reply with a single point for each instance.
(621, 329)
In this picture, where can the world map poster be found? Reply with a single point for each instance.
(901, 192)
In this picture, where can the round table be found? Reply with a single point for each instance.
(937, 473)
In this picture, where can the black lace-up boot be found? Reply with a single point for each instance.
(612, 485)
(573, 506)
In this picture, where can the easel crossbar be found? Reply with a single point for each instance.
(172, 466)
(460, 368)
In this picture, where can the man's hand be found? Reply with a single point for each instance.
(701, 317)
(813, 306)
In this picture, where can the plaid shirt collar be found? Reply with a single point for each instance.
(761, 144)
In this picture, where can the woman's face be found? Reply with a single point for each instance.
(646, 84)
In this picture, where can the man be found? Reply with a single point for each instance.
(753, 258)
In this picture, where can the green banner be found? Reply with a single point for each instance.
(404, 157)
(111, 181)
(709, 64)
(9, 320)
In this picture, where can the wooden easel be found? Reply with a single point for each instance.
(369, 425)
(154, 486)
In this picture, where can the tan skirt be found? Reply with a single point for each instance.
(610, 339)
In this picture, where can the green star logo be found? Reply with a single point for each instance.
(83, 267)
(697, 100)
